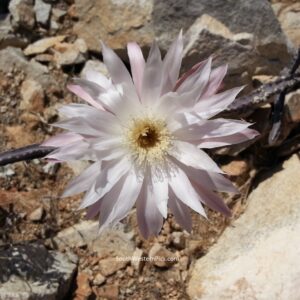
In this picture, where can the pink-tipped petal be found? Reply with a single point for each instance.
(180, 211)
(82, 182)
(98, 78)
(243, 136)
(120, 200)
(62, 139)
(190, 155)
(149, 217)
(206, 129)
(198, 80)
(80, 92)
(211, 199)
(184, 191)
(209, 107)
(137, 63)
(171, 65)
(115, 66)
(216, 77)
(152, 80)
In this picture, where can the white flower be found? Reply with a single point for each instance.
(145, 134)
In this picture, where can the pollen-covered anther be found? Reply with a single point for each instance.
(148, 139)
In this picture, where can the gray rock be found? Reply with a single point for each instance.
(10, 38)
(292, 106)
(42, 12)
(14, 58)
(32, 272)
(112, 242)
(261, 49)
(22, 14)
(256, 258)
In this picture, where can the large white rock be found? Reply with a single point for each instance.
(258, 257)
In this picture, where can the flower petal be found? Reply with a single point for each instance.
(211, 199)
(81, 93)
(190, 155)
(180, 211)
(62, 139)
(197, 81)
(209, 107)
(149, 218)
(171, 65)
(185, 192)
(82, 182)
(137, 63)
(118, 202)
(206, 129)
(152, 80)
(216, 77)
(221, 141)
(115, 66)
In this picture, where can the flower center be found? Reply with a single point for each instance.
(148, 139)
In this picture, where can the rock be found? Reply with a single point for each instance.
(78, 235)
(161, 257)
(94, 65)
(223, 28)
(30, 271)
(115, 22)
(183, 263)
(138, 259)
(237, 170)
(110, 292)
(22, 14)
(8, 38)
(178, 239)
(42, 12)
(14, 58)
(43, 45)
(99, 279)
(289, 18)
(112, 242)
(111, 265)
(32, 95)
(58, 14)
(83, 290)
(37, 214)
(255, 257)
(69, 54)
(292, 104)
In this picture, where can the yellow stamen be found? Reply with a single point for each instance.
(148, 139)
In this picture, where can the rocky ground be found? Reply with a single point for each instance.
(47, 248)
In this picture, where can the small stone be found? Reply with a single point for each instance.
(178, 240)
(3, 109)
(99, 279)
(43, 45)
(194, 246)
(110, 265)
(42, 12)
(22, 13)
(292, 103)
(37, 214)
(57, 13)
(110, 292)
(137, 259)
(70, 54)
(32, 95)
(183, 263)
(161, 257)
(78, 235)
(236, 168)
(95, 66)
(83, 290)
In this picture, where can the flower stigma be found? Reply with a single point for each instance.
(148, 140)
